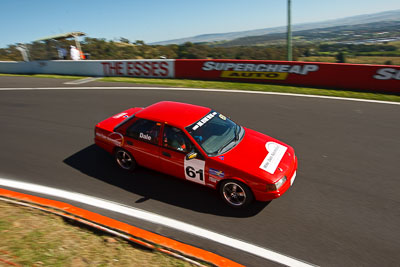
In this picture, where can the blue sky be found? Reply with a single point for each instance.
(159, 20)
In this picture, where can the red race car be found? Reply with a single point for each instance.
(203, 146)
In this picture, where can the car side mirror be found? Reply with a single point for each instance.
(191, 155)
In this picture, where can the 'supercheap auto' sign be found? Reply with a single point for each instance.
(257, 71)
(308, 74)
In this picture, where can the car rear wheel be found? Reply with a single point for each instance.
(124, 159)
(236, 194)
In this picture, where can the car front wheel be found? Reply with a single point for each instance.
(124, 159)
(236, 194)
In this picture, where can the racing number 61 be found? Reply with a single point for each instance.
(191, 172)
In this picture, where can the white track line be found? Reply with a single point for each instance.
(85, 80)
(202, 90)
(157, 219)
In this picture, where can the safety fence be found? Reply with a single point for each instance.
(376, 78)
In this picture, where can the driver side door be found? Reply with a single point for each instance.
(142, 141)
(175, 146)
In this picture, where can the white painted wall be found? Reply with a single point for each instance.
(126, 68)
(15, 67)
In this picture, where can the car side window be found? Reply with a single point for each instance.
(175, 139)
(144, 130)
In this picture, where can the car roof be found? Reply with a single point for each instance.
(175, 113)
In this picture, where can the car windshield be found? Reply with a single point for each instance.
(215, 133)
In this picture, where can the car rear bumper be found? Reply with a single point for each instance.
(104, 145)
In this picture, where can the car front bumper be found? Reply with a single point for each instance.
(270, 195)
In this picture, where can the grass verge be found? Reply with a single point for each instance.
(235, 86)
(254, 87)
(42, 76)
(31, 237)
(376, 60)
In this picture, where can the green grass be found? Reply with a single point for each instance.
(370, 59)
(30, 237)
(255, 87)
(236, 86)
(43, 76)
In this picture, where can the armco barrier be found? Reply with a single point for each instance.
(130, 68)
(376, 78)
(327, 75)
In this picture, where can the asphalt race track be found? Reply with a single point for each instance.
(343, 209)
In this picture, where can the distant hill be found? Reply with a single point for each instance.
(377, 32)
(393, 15)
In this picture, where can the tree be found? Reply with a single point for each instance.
(124, 40)
(341, 57)
(139, 42)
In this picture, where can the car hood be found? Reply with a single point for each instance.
(260, 155)
(110, 123)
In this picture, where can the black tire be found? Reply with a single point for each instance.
(235, 193)
(124, 159)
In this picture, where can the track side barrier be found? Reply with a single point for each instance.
(376, 78)
(147, 68)
(373, 78)
(120, 229)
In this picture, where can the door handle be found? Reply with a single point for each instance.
(129, 143)
(166, 154)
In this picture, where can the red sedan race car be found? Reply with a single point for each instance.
(203, 146)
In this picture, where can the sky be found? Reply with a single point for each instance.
(23, 21)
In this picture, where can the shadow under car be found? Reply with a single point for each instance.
(97, 163)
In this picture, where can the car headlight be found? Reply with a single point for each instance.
(277, 185)
(280, 182)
